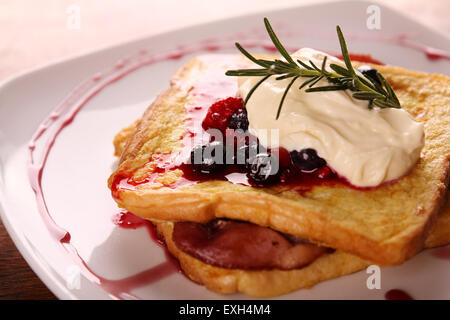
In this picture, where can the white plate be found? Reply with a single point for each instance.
(74, 180)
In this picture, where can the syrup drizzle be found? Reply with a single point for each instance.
(63, 115)
(441, 253)
(430, 52)
(405, 40)
(66, 112)
(60, 118)
(127, 220)
(397, 294)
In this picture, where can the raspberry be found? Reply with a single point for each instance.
(219, 113)
(285, 157)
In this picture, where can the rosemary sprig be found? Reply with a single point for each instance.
(377, 92)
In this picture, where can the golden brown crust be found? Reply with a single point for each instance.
(387, 225)
(157, 131)
(440, 231)
(121, 138)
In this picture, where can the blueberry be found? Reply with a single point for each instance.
(262, 170)
(369, 72)
(239, 120)
(307, 160)
(246, 153)
(208, 158)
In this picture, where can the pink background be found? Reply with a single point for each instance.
(36, 33)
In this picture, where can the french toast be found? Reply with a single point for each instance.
(386, 225)
(268, 283)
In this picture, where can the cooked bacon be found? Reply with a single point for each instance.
(241, 245)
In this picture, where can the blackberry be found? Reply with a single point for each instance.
(369, 72)
(208, 158)
(239, 120)
(307, 160)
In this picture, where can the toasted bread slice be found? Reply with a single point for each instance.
(386, 225)
(440, 232)
(268, 283)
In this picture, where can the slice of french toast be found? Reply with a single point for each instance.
(268, 283)
(387, 224)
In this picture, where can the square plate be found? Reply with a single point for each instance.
(81, 158)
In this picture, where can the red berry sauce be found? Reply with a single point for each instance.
(441, 253)
(362, 58)
(397, 294)
(127, 220)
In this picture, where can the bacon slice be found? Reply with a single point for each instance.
(241, 245)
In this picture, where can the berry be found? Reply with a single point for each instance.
(284, 156)
(208, 158)
(239, 120)
(324, 173)
(249, 151)
(262, 170)
(217, 121)
(369, 72)
(219, 113)
(307, 160)
(235, 146)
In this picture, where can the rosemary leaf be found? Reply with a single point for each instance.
(324, 62)
(367, 95)
(254, 88)
(388, 87)
(304, 65)
(304, 84)
(340, 70)
(384, 104)
(276, 42)
(315, 81)
(284, 96)
(325, 88)
(377, 91)
(344, 51)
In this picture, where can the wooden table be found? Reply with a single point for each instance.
(38, 33)
(17, 280)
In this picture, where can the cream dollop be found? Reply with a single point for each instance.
(366, 146)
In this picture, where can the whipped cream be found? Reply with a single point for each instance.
(365, 146)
